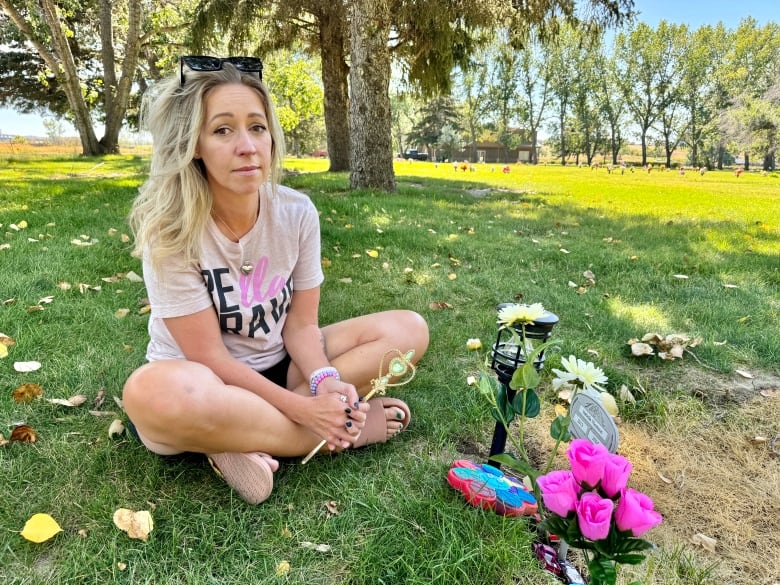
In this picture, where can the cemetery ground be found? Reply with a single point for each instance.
(615, 256)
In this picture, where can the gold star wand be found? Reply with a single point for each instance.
(400, 366)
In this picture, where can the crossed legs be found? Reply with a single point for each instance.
(178, 405)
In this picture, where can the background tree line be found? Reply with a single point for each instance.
(94, 58)
(492, 64)
(714, 91)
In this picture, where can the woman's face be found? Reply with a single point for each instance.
(234, 142)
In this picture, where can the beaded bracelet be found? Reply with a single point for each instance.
(319, 375)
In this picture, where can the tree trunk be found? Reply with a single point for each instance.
(371, 152)
(747, 161)
(334, 80)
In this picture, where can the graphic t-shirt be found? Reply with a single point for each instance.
(284, 249)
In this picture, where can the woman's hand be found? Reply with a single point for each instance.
(339, 416)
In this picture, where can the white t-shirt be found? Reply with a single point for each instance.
(284, 248)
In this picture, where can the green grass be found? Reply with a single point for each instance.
(398, 520)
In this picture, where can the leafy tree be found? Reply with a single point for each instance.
(87, 57)
(534, 80)
(297, 95)
(438, 115)
(470, 89)
(672, 120)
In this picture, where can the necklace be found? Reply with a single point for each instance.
(246, 265)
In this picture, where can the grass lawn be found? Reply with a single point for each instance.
(614, 256)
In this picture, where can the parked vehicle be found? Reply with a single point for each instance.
(414, 154)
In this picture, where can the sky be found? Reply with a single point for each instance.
(694, 13)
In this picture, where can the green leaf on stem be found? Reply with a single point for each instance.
(526, 402)
(519, 466)
(602, 571)
(503, 413)
(559, 428)
(629, 559)
(525, 377)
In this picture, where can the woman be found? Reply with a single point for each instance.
(238, 366)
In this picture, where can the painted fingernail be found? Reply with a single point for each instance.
(349, 423)
(399, 415)
(348, 410)
(357, 404)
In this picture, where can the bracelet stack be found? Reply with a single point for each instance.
(319, 375)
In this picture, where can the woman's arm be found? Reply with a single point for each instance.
(199, 338)
(306, 345)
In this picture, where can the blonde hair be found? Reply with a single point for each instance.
(170, 212)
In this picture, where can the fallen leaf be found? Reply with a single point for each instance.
(664, 479)
(770, 393)
(317, 547)
(560, 410)
(706, 542)
(116, 427)
(137, 525)
(282, 568)
(121, 313)
(46, 300)
(133, 277)
(372, 253)
(439, 305)
(326, 262)
(564, 251)
(640, 349)
(730, 286)
(64, 285)
(76, 400)
(452, 276)
(23, 434)
(121, 566)
(26, 366)
(626, 395)
(681, 276)
(82, 533)
(346, 280)
(27, 393)
(332, 506)
(124, 238)
(102, 412)
(145, 309)
(470, 380)
(40, 528)
(3, 351)
(759, 440)
(744, 374)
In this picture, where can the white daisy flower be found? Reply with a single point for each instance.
(579, 373)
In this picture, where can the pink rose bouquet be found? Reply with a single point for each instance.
(591, 508)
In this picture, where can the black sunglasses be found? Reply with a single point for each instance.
(206, 63)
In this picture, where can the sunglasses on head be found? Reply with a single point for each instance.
(206, 63)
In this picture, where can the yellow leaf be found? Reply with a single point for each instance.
(40, 528)
(372, 253)
(3, 350)
(121, 313)
(283, 568)
(452, 276)
(22, 224)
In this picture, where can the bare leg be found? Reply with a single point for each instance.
(179, 405)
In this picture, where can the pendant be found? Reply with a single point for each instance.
(246, 267)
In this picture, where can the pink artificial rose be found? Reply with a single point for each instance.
(559, 492)
(616, 471)
(594, 515)
(587, 461)
(635, 512)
